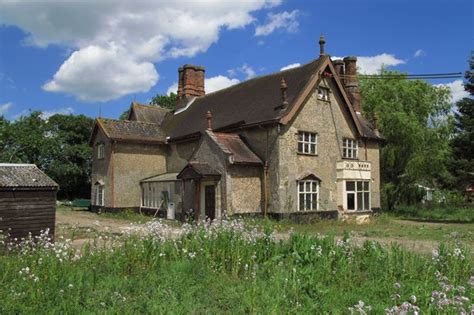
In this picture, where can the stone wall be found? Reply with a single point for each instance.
(373, 156)
(132, 163)
(331, 121)
(178, 155)
(101, 168)
(245, 185)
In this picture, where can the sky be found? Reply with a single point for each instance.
(96, 57)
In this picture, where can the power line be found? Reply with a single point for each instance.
(449, 75)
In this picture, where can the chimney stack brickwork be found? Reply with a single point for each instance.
(351, 82)
(192, 81)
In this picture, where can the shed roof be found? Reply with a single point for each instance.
(127, 130)
(231, 143)
(24, 176)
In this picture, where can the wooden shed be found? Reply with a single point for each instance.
(27, 200)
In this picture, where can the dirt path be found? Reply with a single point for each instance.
(89, 220)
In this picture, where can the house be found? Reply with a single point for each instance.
(27, 200)
(286, 144)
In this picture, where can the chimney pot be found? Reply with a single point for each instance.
(322, 41)
(284, 95)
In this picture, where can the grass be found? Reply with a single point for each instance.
(383, 226)
(231, 267)
(446, 214)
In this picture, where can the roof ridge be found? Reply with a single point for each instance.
(18, 164)
(259, 77)
(129, 121)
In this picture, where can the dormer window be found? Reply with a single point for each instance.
(100, 151)
(323, 93)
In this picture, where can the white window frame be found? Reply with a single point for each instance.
(100, 151)
(361, 188)
(307, 142)
(99, 195)
(323, 93)
(350, 148)
(308, 189)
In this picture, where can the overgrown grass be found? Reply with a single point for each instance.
(230, 267)
(437, 214)
(383, 226)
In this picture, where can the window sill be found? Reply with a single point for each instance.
(350, 159)
(323, 100)
(306, 154)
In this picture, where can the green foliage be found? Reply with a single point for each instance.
(462, 163)
(57, 145)
(413, 117)
(165, 101)
(436, 213)
(229, 270)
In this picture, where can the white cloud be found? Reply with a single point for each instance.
(245, 69)
(123, 38)
(5, 107)
(457, 90)
(290, 66)
(373, 64)
(419, 53)
(97, 74)
(218, 83)
(63, 111)
(284, 20)
(211, 84)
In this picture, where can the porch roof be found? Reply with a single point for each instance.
(166, 177)
(196, 169)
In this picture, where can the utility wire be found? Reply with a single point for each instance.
(449, 75)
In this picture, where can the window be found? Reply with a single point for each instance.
(323, 93)
(99, 195)
(308, 191)
(349, 148)
(307, 142)
(100, 151)
(358, 195)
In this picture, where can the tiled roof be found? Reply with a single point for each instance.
(24, 176)
(252, 101)
(367, 128)
(132, 130)
(148, 113)
(233, 144)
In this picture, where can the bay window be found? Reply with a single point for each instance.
(357, 195)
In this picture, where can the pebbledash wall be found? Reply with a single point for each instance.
(122, 169)
(331, 123)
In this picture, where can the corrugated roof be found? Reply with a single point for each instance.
(166, 177)
(249, 102)
(233, 144)
(148, 113)
(24, 176)
(132, 130)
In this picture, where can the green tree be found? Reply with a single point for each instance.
(71, 159)
(165, 101)
(462, 163)
(413, 117)
(57, 145)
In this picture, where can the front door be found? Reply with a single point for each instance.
(210, 201)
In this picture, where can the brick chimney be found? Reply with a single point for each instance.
(339, 66)
(351, 82)
(191, 81)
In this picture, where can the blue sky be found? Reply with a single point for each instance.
(82, 56)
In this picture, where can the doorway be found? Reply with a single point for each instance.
(210, 201)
